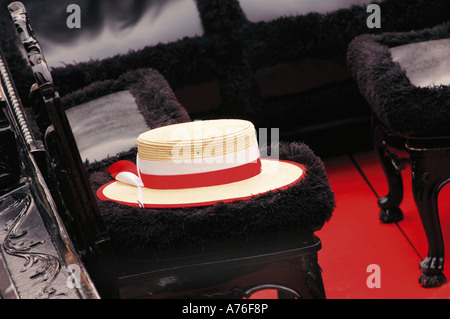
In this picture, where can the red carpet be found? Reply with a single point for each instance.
(354, 238)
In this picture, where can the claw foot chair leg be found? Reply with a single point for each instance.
(430, 172)
(389, 204)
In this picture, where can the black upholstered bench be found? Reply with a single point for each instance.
(405, 79)
(281, 63)
(227, 249)
(223, 250)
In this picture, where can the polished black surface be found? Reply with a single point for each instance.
(35, 250)
(109, 27)
(27, 248)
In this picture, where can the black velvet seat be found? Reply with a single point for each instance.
(287, 71)
(405, 79)
(224, 250)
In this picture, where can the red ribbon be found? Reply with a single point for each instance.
(220, 177)
(224, 176)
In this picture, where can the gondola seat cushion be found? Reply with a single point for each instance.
(299, 209)
(404, 78)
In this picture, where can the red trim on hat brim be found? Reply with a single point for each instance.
(101, 196)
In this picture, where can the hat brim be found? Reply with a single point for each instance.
(275, 175)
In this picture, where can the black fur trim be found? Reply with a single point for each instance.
(302, 208)
(153, 96)
(231, 40)
(401, 106)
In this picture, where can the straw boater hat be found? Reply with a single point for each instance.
(197, 164)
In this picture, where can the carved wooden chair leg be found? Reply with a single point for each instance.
(389, 204)
(414, 107)
(430, 173)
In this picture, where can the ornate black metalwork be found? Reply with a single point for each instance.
(31, 227)
(9, 161)
(38, 64)
(71, 189)
(15, 244)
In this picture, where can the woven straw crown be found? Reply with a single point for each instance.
(196, 140)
